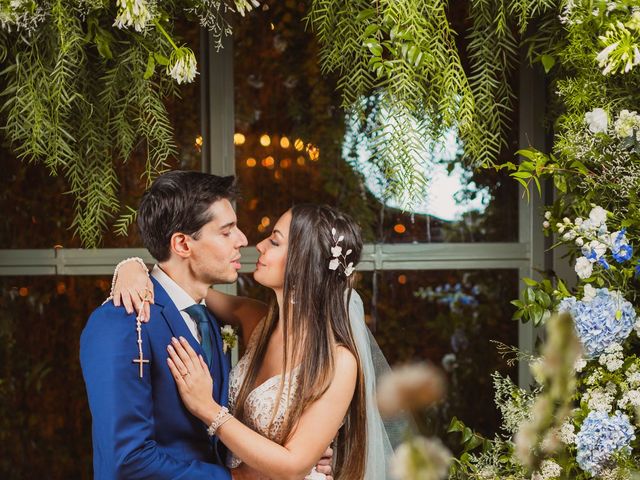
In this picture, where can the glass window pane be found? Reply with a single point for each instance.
(36, 211)
(295, 144)
(45, 424)
(448, 317)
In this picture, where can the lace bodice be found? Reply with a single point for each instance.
(261, 402)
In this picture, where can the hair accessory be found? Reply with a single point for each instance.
(338, 258)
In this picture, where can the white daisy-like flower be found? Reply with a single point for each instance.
(336, 251)
(333, 264)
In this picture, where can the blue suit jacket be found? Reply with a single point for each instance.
(141, 429)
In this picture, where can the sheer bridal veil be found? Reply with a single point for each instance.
(381, 437)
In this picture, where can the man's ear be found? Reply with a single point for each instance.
(180, 244)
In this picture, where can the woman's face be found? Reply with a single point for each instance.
(271, 265)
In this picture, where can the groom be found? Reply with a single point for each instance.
(140, 427)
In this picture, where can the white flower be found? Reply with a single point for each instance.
(244, 6)
(632, 397)
(547, 215)
(420, 459)
(229, 338)
(133, 13)
(409, 387)
(589, 293)
(567, 433)
(579, 221)
(603, 57)
(580, 364)
(336, 251)
(584, 268)
(597, 120)
(548, 470)
(333, 264)
(598, 215)
(612, 358)
(599, 400)
(579, 241)
(182, 65)
(626, 123)
(546, 224)
(349, 269)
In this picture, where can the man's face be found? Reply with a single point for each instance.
(215, 256)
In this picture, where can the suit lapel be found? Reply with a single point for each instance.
(173, 317)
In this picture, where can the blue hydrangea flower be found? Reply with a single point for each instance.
(602, 321)
(600, 437)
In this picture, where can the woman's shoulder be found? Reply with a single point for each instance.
(345, 358)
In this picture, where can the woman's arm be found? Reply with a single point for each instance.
(315, 430)
(237, 311)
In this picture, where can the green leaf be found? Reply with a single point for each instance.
(547, 62)
(151, 65)
(161, 59)
(370, 30)
(365, 14)
(529, 281)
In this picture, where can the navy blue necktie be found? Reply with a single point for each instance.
(199, 313)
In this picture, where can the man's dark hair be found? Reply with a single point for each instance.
(179, 201)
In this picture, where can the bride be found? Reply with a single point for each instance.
(307, 375)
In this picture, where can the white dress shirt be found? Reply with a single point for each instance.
(180, 298)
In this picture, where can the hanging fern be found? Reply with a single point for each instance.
(80, 94)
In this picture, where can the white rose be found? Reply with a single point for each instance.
(333, 264)
(336, 251)
(547, 215)
(584, 268)
(597, 120)
(546, 224)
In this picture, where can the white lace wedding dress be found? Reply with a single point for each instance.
(260, 403)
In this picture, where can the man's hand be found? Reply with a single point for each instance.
(324, 465)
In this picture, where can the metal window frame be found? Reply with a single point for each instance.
(217, 100)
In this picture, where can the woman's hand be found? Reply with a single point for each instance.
(193, 379)
(133, 289)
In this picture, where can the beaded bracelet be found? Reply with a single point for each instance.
(222, 417)
(115, 273)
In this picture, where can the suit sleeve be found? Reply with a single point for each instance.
(121, 404)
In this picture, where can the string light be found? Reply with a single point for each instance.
(251, 162)
(285, 163)
(268, 162)
(238, 139)
(298, 144)
(399, 228)
(199, 142)
(265, 222)
(402, 279)
(300, 160)
(265, 140)
(284, 142)
(314, 152)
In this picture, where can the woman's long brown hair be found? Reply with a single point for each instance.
(314, 323)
